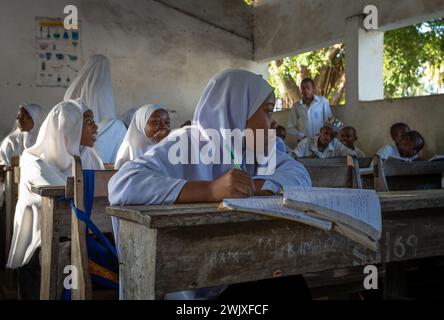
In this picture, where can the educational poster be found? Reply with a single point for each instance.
(58, 53)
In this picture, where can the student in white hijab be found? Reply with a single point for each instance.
(69, 130)
(233, 99)
(149, 126)
(127, 116)
(29, 119)
(94, 86)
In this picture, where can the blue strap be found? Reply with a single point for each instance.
(85, 216)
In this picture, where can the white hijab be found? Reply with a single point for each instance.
(94, 86)
(48, 162)
(127, 116)
(136, 142)
(17, 141)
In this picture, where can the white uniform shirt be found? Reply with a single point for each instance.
(307, 121)
(309, 148)
(358, 152)
(391, 151)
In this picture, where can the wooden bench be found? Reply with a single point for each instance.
(11, 177)
(341, 172)
(394, 175)
(204, 246)
(79, 252)
(366, 172)
(56, 219)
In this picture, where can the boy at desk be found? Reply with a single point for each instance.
(324, 145)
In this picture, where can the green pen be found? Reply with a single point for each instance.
(236, 165)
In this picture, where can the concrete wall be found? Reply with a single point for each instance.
(158, 54)
(374, 119)
(288, 27)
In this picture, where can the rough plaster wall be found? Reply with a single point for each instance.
(158, 55)
(374, 119)
(288, 27)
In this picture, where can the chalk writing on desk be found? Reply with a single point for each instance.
(399, 248)
(229, 257)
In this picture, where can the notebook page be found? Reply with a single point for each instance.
(355, 204)
(272, 206)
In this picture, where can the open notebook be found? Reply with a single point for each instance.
(355, 213)
(272, 206)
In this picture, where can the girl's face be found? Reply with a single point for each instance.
(24, 120)
(262, 119)
(158, 126)
(89, 131)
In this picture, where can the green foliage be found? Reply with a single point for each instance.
(413, 61)
(249, 2)
(410, 54)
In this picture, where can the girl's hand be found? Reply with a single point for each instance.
(234, 184)
(160, 135)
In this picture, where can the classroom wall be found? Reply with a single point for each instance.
(159, 54)
(288, 27)
(374, 119)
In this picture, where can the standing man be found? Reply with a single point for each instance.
(308, 116)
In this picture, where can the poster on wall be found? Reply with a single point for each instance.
(58, 53)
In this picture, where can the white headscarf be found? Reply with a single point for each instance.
(127, 116)
(17, 141)
(136, 142)
(48, 162)
(93, 85)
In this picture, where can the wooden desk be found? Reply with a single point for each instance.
(10, 177)
(176, 247)
(56, 227)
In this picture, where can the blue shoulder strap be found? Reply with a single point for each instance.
(85, 216)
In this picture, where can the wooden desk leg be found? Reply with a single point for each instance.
(11, 195)
(137, 253)
(50, 251)
(395, 281)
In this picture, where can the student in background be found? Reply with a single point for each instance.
(149, 126)
(233, 99)
(308, 116)
(29, 119)
(127, 116)
(348, 137)
(398, 130)
(186, 124)
(324, 145)
(406, 149)
(68, 130)
(281, 133)
(93, 85)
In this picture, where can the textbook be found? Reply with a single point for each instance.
(355, 213)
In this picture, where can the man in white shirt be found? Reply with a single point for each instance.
(325, 145)
(307, 117)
